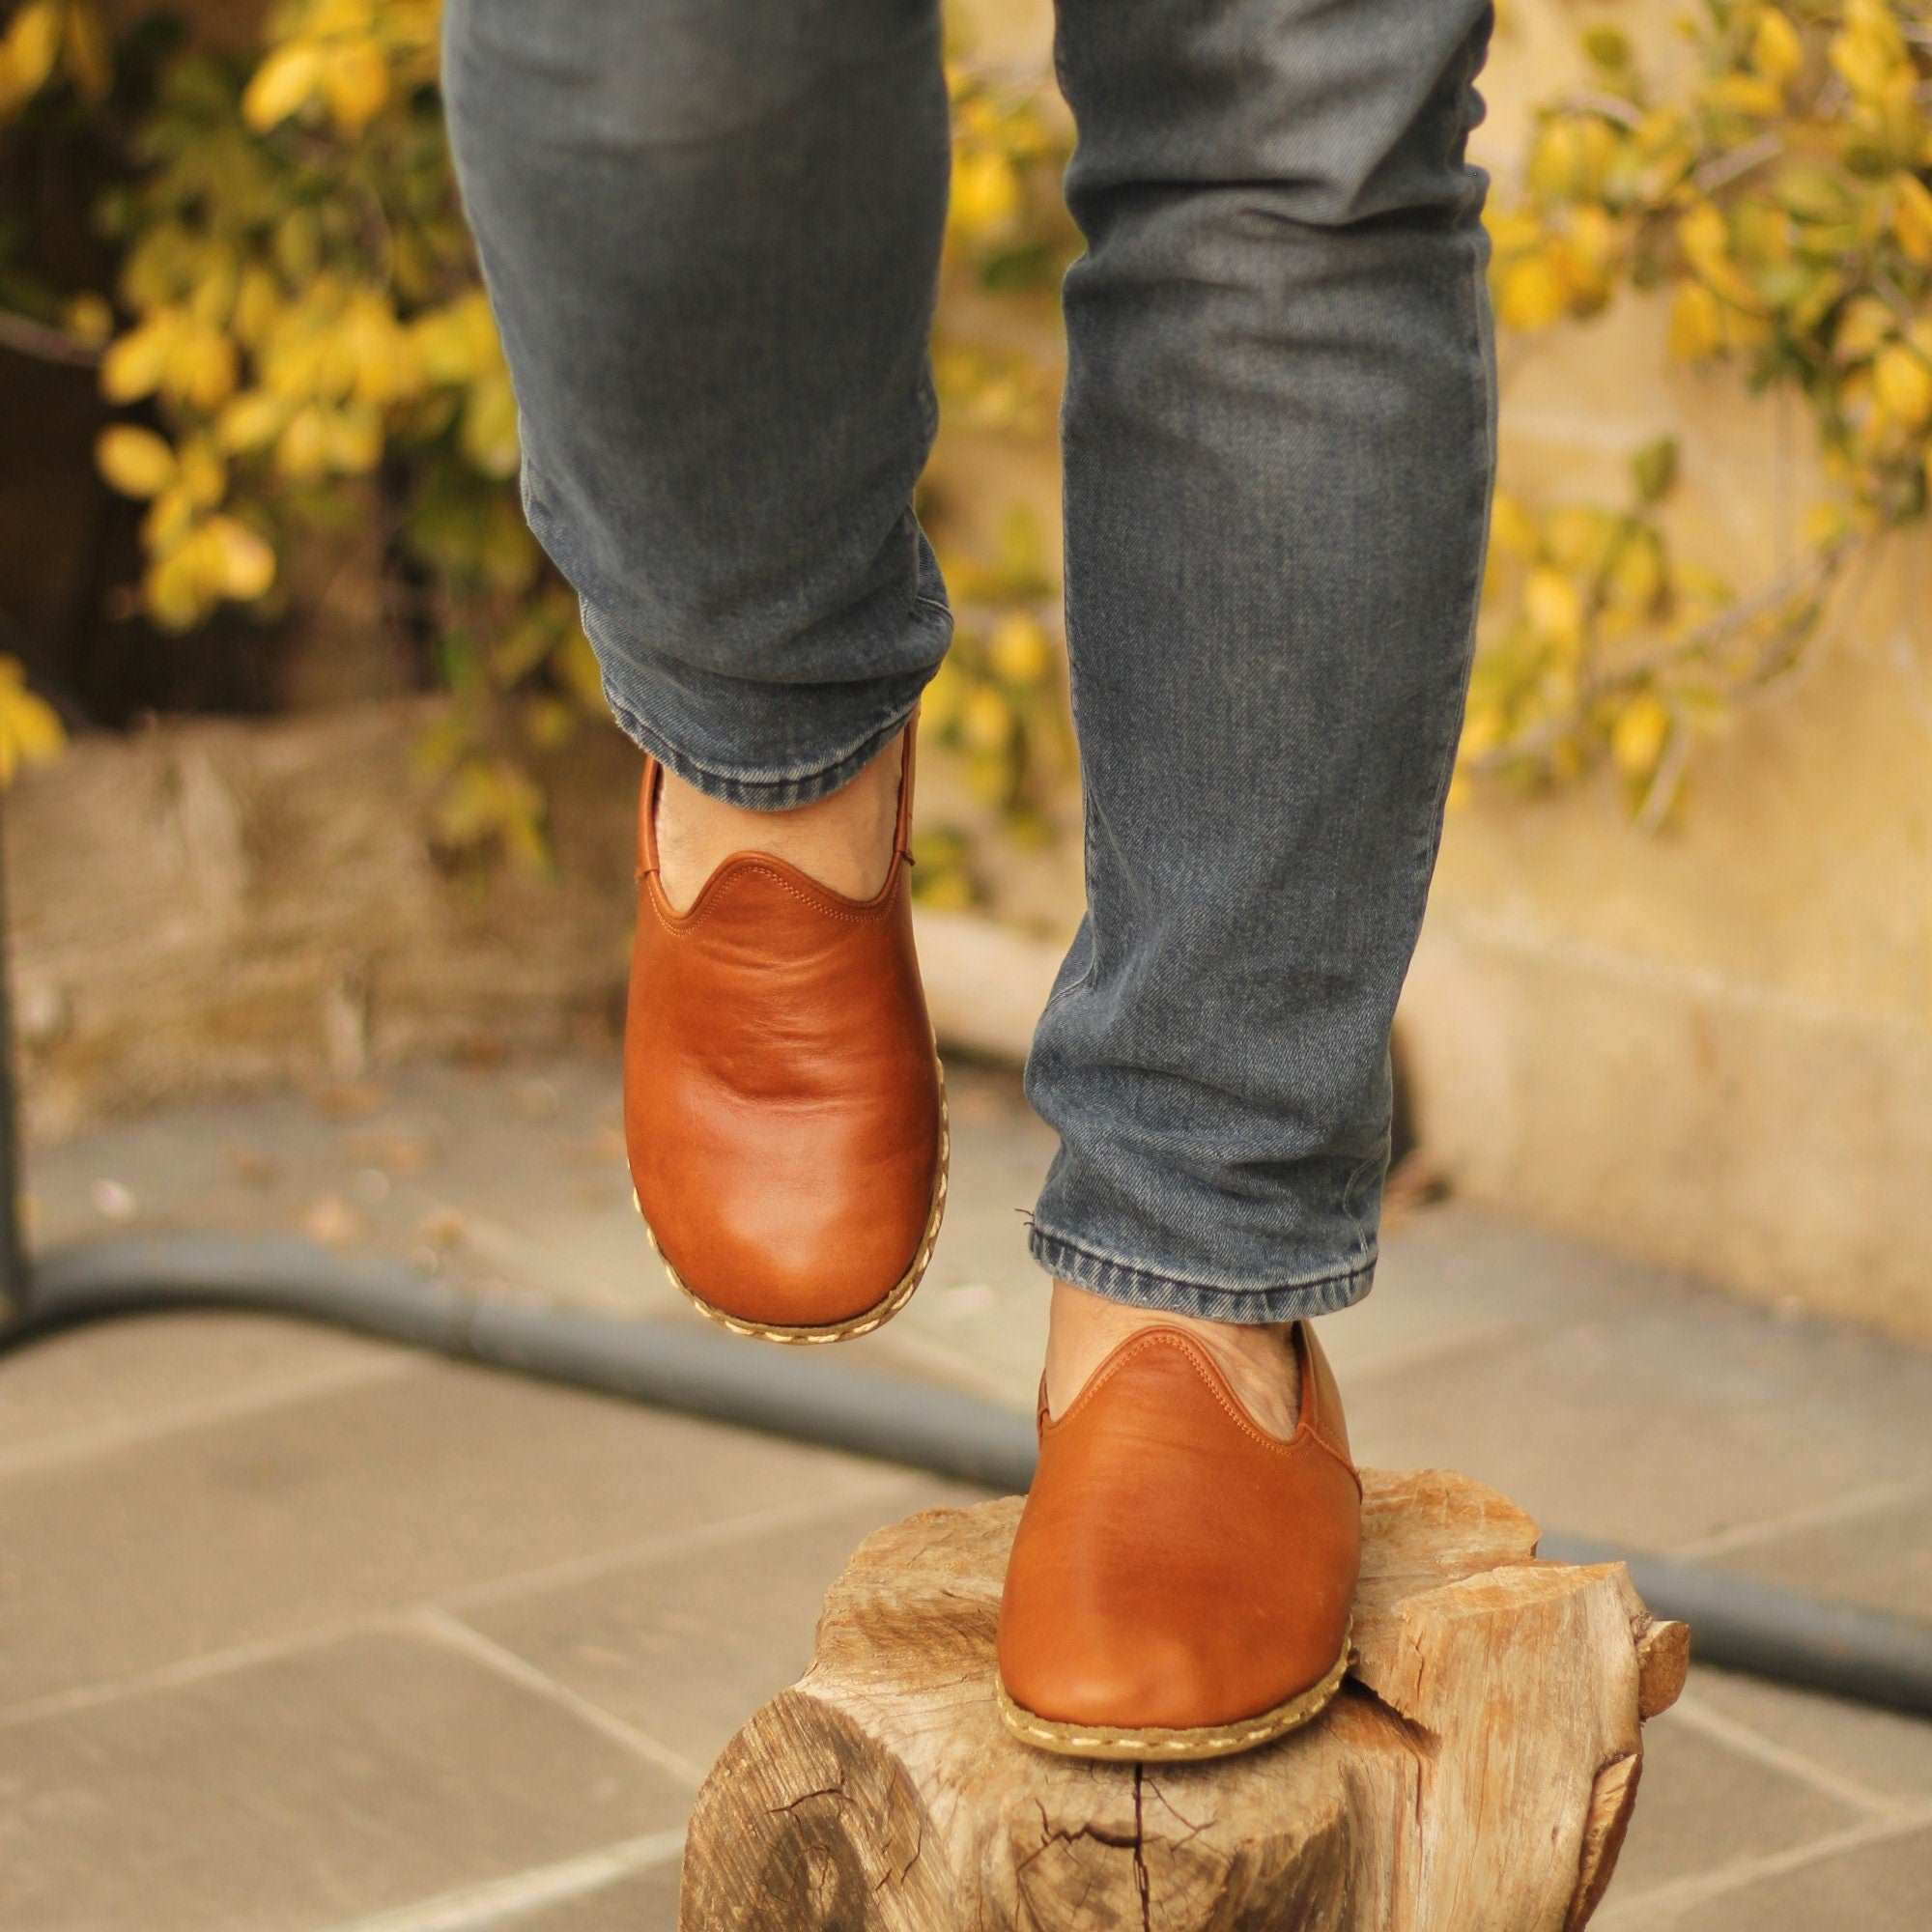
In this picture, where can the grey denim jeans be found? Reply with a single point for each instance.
(710, 233)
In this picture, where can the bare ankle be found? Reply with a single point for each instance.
(845, 841)
(1257, 1360)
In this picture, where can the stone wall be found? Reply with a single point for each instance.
(1712, 1045)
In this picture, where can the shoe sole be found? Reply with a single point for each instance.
(1176, 1747)
(880, 1313)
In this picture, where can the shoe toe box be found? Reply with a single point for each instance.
(794, 1224)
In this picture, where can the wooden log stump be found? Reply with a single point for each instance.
(1475, 1775)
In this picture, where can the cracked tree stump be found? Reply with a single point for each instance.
(1475, 1775)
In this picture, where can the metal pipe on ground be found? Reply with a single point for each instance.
(1736, 1623)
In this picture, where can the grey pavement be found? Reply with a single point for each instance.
(304, 1633)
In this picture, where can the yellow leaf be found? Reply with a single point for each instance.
(203, 367)
(575, 664)
(135, 460)
(283, 83)
(548, 723)
(30, 731)
(1555, 605)
(1637, 738)
(356, 84)
(342, 17)
(1530, 296)
(89, 317)
(986, 195)
(1702, 235)
(941, 701)
(1556, 160)
(32, 40)
(1482, 731)
(175, 590)
(1776, 52)
(204, 477)
(1865, 324)
(354, 440)
(1019, 649)
(1637, 574)
(1696, 321)
(250, 422)
(1705, 238)
(302, 451)
(1866, 54)
(946, 889)
(242, 563)
(989, 776)
(1903, 385)
(167, 520)
(1825, 524)
(1912, 218)
(1512, 232)
(1512, 528)
(986, 719)
(1745, 94)
(133, 366)
(257, 302)
(88, 58)
(489, 434)
(1577, 537)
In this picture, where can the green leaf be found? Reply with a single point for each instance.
(1609, 48)
(1654, 468)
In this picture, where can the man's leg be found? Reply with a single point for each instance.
(710, 231)
(1279, 441)
(1279, 435)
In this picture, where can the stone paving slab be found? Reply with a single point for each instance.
(414, 1165)
(1661, 1425)
(644, 1901)
(1702, 1803)
(1880, 1555)
(1884, 1884)
(625, 1639)
(122, 1381)
(274, 1522)
(1877, 1756)
(310, 1788)
(224, 1539)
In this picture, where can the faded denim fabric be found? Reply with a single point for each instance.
(710, 231)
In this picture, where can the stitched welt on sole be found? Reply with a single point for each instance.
(1127, 1746)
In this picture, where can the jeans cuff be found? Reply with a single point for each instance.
(755, 794)
(756, 787)
(1137, 1287)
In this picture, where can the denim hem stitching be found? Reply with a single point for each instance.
(778, 794)
(1139, 1286)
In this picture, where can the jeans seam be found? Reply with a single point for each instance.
(1085, 979)
(1475, 296)
(1063, 993)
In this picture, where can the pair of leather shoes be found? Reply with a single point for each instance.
(1181, 1582)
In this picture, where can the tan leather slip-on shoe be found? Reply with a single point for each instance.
(1181, 1580)
(785, 1108)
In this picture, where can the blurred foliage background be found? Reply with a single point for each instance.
(260, 264)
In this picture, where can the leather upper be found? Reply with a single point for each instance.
(781, 1105)
(1177, 1566)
